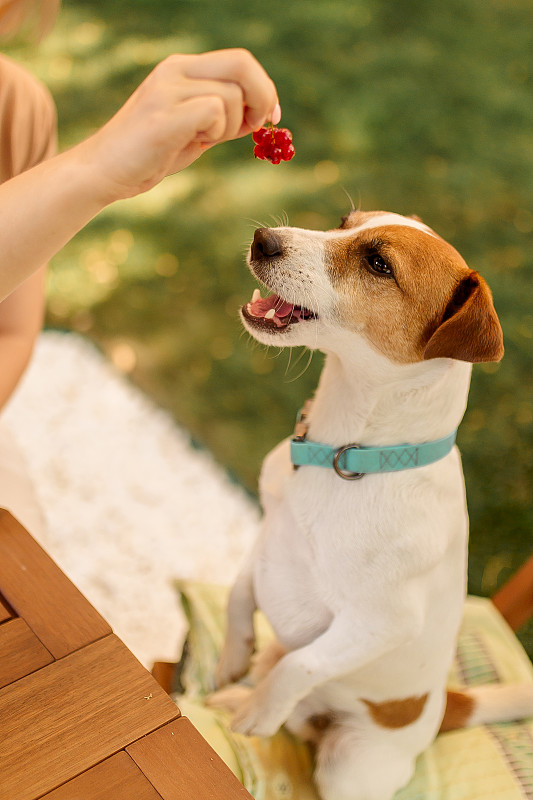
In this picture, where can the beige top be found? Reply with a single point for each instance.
(27, 120)
(27, 136)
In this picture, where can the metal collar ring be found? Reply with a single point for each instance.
(347, 476)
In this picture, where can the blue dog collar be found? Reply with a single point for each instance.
(352, 461)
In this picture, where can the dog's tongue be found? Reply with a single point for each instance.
(264, 306)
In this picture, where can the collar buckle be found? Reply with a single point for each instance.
(302, 425)
(347, 476)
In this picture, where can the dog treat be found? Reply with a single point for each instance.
(273, 144)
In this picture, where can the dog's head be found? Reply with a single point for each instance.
(384, 277)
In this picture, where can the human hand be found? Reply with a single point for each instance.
(187, 104)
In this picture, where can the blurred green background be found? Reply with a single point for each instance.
(410, 106)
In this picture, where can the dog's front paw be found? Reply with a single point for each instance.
(234, 662)
(255, 718)
(230, 698)
(249, 720)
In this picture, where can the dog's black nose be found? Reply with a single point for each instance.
(266, 244)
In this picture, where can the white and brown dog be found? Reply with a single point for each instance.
(363, 581)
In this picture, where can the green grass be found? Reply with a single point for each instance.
(411, 106)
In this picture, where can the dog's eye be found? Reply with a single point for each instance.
(378, 265)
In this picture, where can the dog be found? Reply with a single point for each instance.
(360, 565)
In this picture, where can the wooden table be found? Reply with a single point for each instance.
(80, 717)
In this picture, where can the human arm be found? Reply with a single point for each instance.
(185, 105)
(21, 316)
(29, 137)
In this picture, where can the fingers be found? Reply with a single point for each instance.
(186, 104)
(239, 67)
(231, 102)
(204, 120)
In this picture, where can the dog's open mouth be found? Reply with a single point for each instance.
(274, 312)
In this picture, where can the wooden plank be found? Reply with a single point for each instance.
(117, 778)
(68, 716)
(514, 600)
(181, 765)
(21, 652)
(165, 674)
(34, 586)
(5, 613)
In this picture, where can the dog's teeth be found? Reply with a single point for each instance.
(256, 296)
(271, 313)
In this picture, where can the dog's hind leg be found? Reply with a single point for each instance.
(310, 720)
(353, 764)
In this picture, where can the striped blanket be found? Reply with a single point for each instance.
(483, 763)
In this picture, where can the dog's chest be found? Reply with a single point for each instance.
(329, 544)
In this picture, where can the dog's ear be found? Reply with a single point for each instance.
(470, 329)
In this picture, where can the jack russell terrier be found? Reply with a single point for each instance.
(360, 566)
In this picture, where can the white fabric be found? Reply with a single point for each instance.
(129, 505)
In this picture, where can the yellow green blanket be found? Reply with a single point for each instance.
(484, 763)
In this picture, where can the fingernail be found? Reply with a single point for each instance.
(276, 114)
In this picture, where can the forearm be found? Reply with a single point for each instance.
(42, 209)
(15, 352)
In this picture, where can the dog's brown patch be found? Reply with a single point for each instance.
(401, 312)
(459, 708)
(398, 313)
(397, 713)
